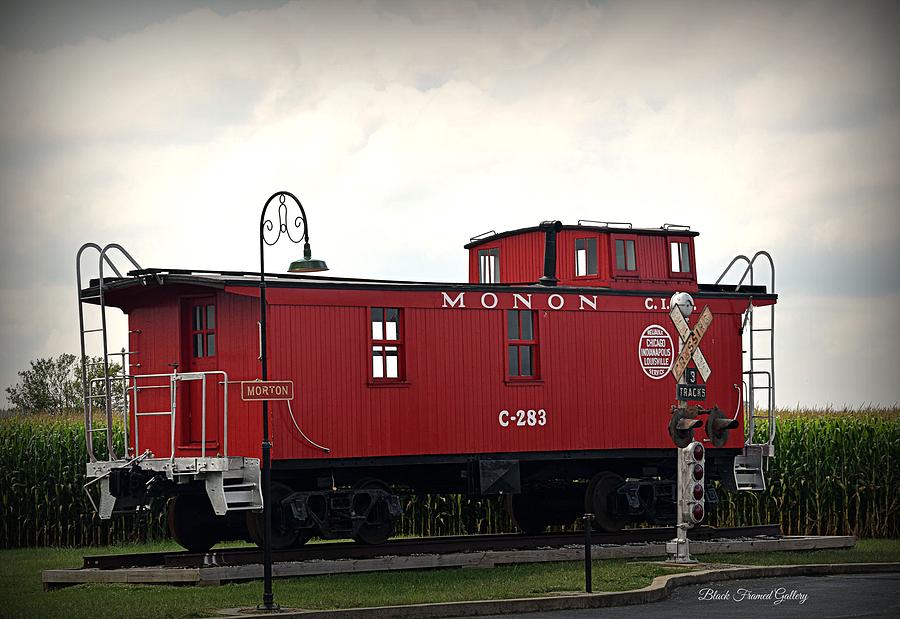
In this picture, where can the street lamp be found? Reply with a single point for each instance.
(305, 265)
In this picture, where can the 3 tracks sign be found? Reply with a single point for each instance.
(689, 389)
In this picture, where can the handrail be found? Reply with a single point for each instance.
(749, 270)
(174, 379)
(740, 403)
(483, 235)
(731, 264)
(606, 224)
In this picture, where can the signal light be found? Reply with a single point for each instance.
(699, 452)
(697, 492)
(697, 512)
(692, 484)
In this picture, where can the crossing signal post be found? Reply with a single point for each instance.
(691, 494)
(691, 488)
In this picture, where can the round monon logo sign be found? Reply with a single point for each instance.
(656, 352)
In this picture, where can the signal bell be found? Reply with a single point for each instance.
(717, 427)
(692, 471)
(682, 424)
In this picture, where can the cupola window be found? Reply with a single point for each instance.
(489, 265)
(585, 257)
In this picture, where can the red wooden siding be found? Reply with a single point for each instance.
(591, 386)
(160, 343)
(521, 258)
(156, 338)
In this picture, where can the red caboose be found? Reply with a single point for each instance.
(546, 377)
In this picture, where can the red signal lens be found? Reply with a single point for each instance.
(698, 451)
(697, 512)
(697, 492)
(698, 472)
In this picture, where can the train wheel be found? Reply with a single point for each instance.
(378, 526)
(598, 498)
(283, 534)
(527, 512)
(192, 522)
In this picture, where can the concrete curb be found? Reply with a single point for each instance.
(658, 590)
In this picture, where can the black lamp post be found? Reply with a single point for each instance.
(305, 265)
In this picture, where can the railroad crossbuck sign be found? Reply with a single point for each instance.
(259, 390)
(691, 339)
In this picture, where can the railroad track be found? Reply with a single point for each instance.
(412, 546)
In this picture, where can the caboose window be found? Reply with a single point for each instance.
(521, 344)
(203, 331)
(387, 344)
(489, 265)
(681, 257)
(585, 257)
(625, 260)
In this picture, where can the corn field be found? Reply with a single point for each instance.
(42, 462)
(834, 473)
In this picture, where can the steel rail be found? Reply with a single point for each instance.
(410, 546)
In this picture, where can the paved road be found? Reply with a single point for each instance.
(854, 595)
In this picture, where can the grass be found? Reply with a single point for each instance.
(22, 595)
(866, 551)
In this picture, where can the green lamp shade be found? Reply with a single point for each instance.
(307, 265)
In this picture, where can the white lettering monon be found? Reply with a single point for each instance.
(485, 296)
(592, 301)
(460, 299)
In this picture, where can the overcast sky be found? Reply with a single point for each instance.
(407, 127)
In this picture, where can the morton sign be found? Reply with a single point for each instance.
(259, 390)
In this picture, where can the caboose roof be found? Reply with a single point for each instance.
(606, 227)
(143, 278)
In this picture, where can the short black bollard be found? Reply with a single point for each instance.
(587, 518)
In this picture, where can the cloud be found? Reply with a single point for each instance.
(406, 128)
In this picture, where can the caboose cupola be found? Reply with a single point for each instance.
(596, 254)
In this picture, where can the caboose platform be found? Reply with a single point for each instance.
(220, 567)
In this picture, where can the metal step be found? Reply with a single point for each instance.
(246, 494)
(242, 497)
(748, 469)
(245, 499)
(749, 479)
(243, 486)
